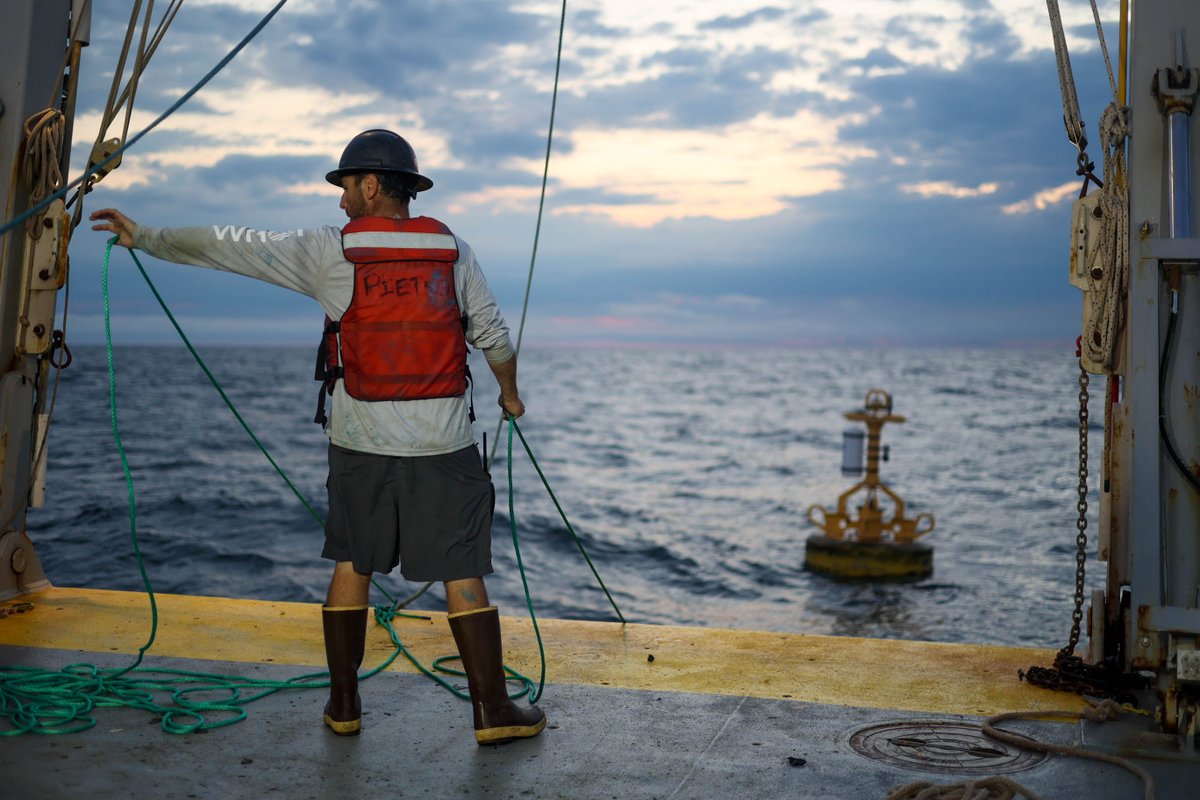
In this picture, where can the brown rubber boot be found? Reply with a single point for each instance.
(497, 718)
(345, 637)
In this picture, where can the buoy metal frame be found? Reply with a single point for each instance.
(870, 525)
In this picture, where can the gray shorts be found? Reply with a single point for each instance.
(430, 514)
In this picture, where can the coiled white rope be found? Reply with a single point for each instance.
(1106, 298)
(43, 154)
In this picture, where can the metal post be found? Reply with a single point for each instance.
(33, 39)
(1155, 535)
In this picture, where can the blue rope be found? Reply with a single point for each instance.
(42, 206)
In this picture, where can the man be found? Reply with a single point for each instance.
(403, 297)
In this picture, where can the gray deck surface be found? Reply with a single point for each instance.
(600, 743)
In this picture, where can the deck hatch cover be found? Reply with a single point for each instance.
(938, 746)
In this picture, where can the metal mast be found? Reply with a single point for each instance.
(1149, 616)
(40, 43)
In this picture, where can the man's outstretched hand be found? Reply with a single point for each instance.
(115, 222)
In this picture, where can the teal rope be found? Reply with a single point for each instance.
(208, 373)
(513, 426)
(233, 409)
(512, 522)
(383, 614)
(54, 703)
(116, 431)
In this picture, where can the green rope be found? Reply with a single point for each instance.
(44, 702)
(116, 431)
(208, 373)
(233, 409)
(512, 522)
(567, 522)
(384, 615)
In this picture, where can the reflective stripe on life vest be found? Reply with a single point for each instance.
(364, 246)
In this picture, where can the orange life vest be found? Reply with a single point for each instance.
(402, 336)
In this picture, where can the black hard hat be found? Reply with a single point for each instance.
(379, 151)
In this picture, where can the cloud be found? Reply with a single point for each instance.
(948, 189)
(745, 170)
(849, 170)
(1046, 198)
(727, 23)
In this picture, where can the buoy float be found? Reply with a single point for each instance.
(868, 545)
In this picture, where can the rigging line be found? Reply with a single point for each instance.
(537, 230)
(90, 171)
(139, 64)
(155, 41)
(1112, 84)
(145, 53)
(126, 98)
(119, 71)
(562, 21)
(1066, 80)
(1123, 55)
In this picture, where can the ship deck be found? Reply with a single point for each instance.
(713, 713)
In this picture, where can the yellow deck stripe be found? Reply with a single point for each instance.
(937, 678)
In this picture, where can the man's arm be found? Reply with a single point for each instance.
(506, 376)
(292, 259)
(486, 328)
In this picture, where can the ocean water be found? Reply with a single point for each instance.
(686, 473)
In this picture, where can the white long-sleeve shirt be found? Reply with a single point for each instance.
(311, 262)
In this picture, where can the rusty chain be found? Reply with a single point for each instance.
(1082, 507)
(1070, 673)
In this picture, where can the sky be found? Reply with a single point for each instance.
(826, 172)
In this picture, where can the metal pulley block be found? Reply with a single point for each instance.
(102, 151)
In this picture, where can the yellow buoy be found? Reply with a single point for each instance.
(869, 544)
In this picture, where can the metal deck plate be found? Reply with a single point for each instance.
(939, 746)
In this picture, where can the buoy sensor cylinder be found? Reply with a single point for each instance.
(852, 452)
